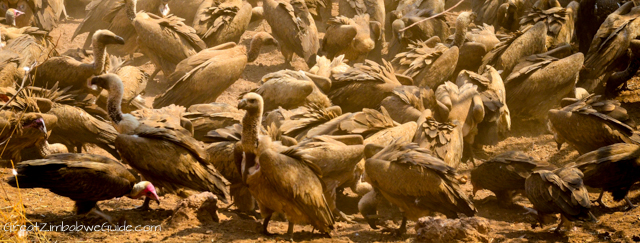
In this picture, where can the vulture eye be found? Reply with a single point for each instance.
(3, 6)
(22, 6)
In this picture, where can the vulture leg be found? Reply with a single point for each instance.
(145, 205)
(399, 231)
(599, 200)
(619, 79)
(343, 217)
(290, 231)
(97, 211)
(288, 56)
(629, 203)
(562, 221)
(265, 225)
(155, 72)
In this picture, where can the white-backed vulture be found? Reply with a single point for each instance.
(208, 117)
(473, 43)
(407, 103)
(69, 72)
(434, 27)
(215, 68)
(428, 185)
(505, 175)
(559, 21)
(559, 191)
(445, 139)
(428, 65)
(294, 29)
(83, 178)
(570, 123)
(162, 152)
(538, 82)
(614, 168)
(185, 9)
(221, 21)
(354, 37)
(299, 87)
(461, 103)
(165, 40)
(377, 14)
(281, 179)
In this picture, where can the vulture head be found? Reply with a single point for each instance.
(144, 188)
(124, 123)
(107, 81)
(11, 15)
(106, 37)
(252, 103)
(34, 122)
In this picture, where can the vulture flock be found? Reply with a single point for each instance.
(393, 101)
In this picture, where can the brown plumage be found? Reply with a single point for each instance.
(608, 51)
(581, 116)
(445, 140)
(221, 21)
(538, 82)
(165, 40)
(559, 21)
(473, 44)
(69, 72)
(506, 54)
(310, 121)
(186, 9)
(497, 117)
(429, 66)
(20, 132)
(337, 157)
(614, 168)
(95, 12)
(559, 191)
(216, 68)
(41, 13)
(463, 104)
(31, 44)
(208, 117)
(354, 37)
(428, 184)
(435, 27)
(281, 180)
(371, 81)
(163, 153)
(294, 29)
(299, 87)
(407, 103)
(84, 178)
(505, 174)
(377, 14)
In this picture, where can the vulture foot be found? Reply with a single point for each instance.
(630, 205)
(343, 217)
(145, 205)
(399, 231)
(290, 232)
(263, 227)
(600, 202)
(102, 215)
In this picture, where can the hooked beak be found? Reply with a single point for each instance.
(164, 9)
(91, 84)
(17, 12)
(242, 104)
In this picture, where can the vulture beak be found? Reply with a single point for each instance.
(39, 124)
(118, 40)
(17, 12)
(164, 9)
(91, 83)
(475, 189)
(242, 104)
(371, 219)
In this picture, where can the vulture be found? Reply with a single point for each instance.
(164, 40)
(434, 27)
(428, 185)
(377, 14)
(113, 15)
(354, 37)
(505, 175)
(407, 103)
(497, 117)
(608, 55)
(473, 44)
(444, 140)
(163, 153)
(294, 29)
(216, 68)
(559, 21)
(559, 191)
(371, 81)
(83, 178)
(22, 131)
(523, 43)
(428, 64)
(208, 117)
(337, 157)
(70, 72)
(134, 80)
(538, 82)
(281, 179)
(596, 116)
(43, 14)
(299, 86)
(614, 168)
(221, 21)
(591, 14)
(461, 103)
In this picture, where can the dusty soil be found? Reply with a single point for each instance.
(507, 224)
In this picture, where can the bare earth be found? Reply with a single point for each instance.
(507, 224)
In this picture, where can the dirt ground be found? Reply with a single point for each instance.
(507, 224)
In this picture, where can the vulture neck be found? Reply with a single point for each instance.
(99, 58)
(255, 46)
(250, 130)
(461, 32)
(130, 8)
(114, 101)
